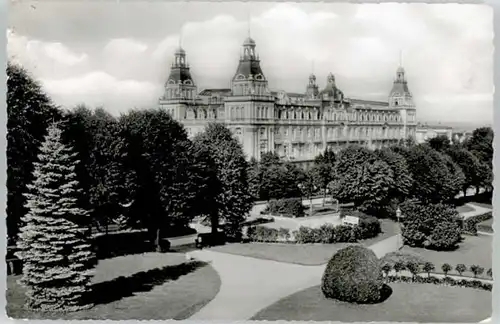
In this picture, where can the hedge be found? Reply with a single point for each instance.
(446, 281)
(287, 207)
(368, 227)
(353, 275)
(470, 224)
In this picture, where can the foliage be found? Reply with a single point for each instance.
(404, 257)
(470, 165)
(470, 224)
(278, 179)
(399, 266)
(428, 267)
(353, 275)
(254, 178)
(476, 270)
(362, 178)
(432, 225)
(29, 113)
(440, 143)
(323, 170)
(445, 236)
(288, 207)
(403, 180)
(53, 244)
(446, 268)
(481, 144)
(433, 180)
(447, 281)
(460, 268)
(413, 267)
(103, 173)
(232, 200)
(489, 273)
(167, 186)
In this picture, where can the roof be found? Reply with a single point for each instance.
(215, 92)
(180, 74)
(369, 102)
(400, 87)
(249, 67)
(248, 41)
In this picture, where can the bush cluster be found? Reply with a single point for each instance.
(268, 235)
(446, 281)
(353, 275)
(435, 226)
(287, 207)
(368, 227)
(470, 224)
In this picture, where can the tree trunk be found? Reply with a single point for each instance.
(158, 240)
(214, 222)
(324, 196)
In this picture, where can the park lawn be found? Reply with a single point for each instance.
(151, 286)
(304, 254)
(473, 250)
(464, 209)
(408, 303)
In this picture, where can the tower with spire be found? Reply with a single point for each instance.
(401, 99)
(250, 106)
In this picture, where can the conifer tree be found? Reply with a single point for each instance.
(53, 244)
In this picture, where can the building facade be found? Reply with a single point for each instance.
(425, 132)
(298, 126)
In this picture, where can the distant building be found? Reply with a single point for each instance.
(298, 126)
(425, 132)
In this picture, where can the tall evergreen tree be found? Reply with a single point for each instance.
(233, 201)
(53, 245)
(29, 112)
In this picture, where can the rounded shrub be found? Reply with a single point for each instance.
(354, 274)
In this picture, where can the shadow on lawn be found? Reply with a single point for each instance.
(116, 289)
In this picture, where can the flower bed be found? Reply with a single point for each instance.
(446, 281)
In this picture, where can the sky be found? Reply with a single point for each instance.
(117, 55)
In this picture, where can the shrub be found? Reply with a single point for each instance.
(476, 284)
(470, 224)
(369, 226)
(445, 236)
(353, 275)
(430, 225)
(446, 268)
(287, 207)
(476, 270)
(429, 267)
(405, 257)
(460, 268)
(268, 235)
(489, 273)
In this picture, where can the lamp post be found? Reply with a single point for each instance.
(399, 215)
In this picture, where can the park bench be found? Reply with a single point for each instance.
(209, 239)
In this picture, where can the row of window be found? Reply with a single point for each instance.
(176, 93)
(314, 114)
(337, 132)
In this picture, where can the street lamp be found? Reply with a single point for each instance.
(399, 215)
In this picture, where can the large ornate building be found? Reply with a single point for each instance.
(296, 126)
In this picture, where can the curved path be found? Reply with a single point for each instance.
(250, 284)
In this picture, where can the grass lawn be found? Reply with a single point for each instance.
(408, 303)
(306, 254)
(473, 250)
(464, 209)
(151, 286)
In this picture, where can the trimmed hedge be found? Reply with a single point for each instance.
(470, 224)
(353, 275)
(446, 281)
(268, 235)
(368, 227)
(287, 207)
